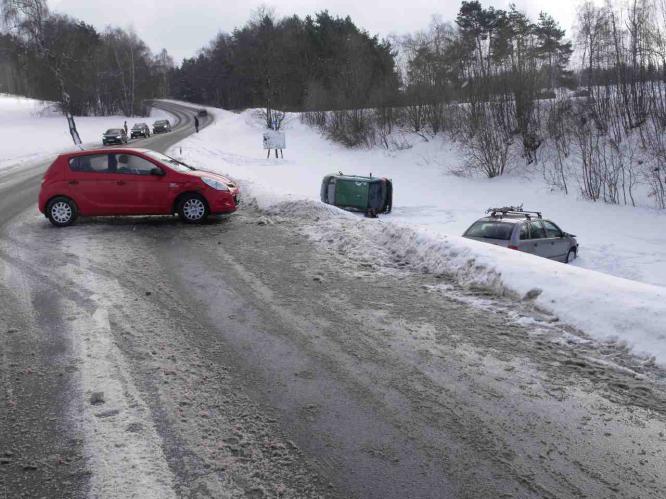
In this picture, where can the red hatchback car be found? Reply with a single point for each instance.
(131, 182)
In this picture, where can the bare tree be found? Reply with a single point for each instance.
(28, 19)
(163, 65)
(591, 26)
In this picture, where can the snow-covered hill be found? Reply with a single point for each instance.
(616, 289)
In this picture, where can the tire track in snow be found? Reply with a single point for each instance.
(122, 446)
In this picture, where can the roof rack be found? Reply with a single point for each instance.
(512, 210)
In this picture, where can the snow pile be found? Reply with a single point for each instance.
(32, 130)
(432, 208)
(601, 305)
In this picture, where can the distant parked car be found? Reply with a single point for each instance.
(140, 130)
(126, 181)
(202, 113)
(525, 231)
(114, 136)
(161, 126)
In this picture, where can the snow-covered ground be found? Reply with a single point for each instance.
(615, 289)
(32, 129)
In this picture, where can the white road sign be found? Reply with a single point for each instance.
(274, 140)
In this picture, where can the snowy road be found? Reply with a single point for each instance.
(242, 359)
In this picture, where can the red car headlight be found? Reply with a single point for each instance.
(215, 184)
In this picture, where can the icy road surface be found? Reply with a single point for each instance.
(145, 358)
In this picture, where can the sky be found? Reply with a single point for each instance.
(185, 26)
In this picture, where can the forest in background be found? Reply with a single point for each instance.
(589, 110)
(292, 63)
(54, 57)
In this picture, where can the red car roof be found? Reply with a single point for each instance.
(103, 150)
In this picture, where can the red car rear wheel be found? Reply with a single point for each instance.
(62, 211)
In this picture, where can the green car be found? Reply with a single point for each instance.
(370, 195)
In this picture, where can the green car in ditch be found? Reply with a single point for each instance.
(369, 195)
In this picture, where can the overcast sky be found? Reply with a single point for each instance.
(184, 26)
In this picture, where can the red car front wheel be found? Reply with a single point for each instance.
(193, 209)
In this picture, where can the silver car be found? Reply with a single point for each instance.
(524, 231)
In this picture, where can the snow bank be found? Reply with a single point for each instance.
(601, 305)
(432, 208)
(32, 129)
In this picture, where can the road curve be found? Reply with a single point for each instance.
(242, 358)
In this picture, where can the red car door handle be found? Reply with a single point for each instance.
(120, 182)
(73, 182)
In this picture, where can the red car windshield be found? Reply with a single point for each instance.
(179, 166)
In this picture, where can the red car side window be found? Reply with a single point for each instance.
(94, 163)
(134, 165)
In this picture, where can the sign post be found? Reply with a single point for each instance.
(274, 139)
(73, 131)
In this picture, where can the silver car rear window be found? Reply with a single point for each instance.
(489, 229)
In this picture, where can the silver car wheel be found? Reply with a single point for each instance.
(61, 212)
(194, 209)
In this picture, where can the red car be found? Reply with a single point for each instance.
(131, 182)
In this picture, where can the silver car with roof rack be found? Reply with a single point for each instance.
(527, 231)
